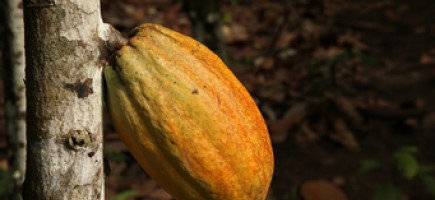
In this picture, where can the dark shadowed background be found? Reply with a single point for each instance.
(347, 89)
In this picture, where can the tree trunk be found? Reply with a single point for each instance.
(65, 48)
(15, 94)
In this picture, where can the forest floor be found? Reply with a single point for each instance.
(346, 88)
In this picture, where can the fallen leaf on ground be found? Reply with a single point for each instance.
(353, 41)
(322, 53)
(279, 129)
(426, 59)
(344, 135)
(3, 164)
(306, 135)
(235, 33)
(321, 190)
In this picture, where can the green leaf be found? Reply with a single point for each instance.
(388, 191)
(406, 162)
(427, 168)
(116, 156)
(4, 183)
(125, 194)
(429, 183)
(408, 149)
(294, 192)
(227, 18)
(368, 165)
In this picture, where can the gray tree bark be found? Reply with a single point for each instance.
(65, 52)
(15, 94)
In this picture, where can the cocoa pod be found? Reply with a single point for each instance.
(186, 118)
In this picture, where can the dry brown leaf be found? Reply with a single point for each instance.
(173, 13)
(352, 40)
(265, 63)
(269, 113)
(411, 122)
(115, 145)
(321, 190)
(268, 63)
(145, 188)
(428, 121)
(331, 52)
(287, 53)
(338, 180)
(343, 135)
(273, 91)
(306, 135)
(278, 136)
(391, 15)
(3, 164)
(279, 129)
(348, 108)
(149, 190)
(282, 75)
(235, 33)
(160, 194)
(286, 39)
(311, 30)
(426, 59)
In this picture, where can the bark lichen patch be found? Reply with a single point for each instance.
(54, 48)
(83, 89)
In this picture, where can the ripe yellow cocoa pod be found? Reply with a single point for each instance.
(186, 118)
